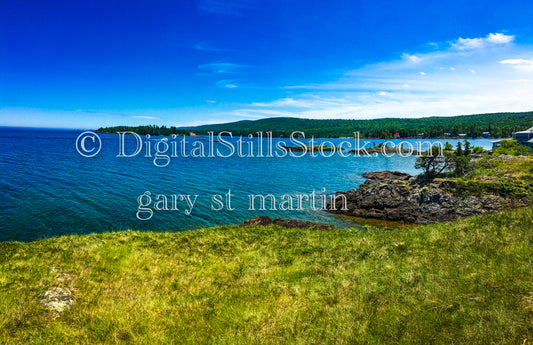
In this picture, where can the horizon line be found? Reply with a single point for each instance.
(272, 117)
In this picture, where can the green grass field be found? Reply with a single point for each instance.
(466, 282)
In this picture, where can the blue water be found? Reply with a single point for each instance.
(49, 189)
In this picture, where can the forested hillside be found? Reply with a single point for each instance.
(498, 124)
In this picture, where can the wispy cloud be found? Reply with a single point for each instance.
(465, 75)
(411, 58)
(517, 62)
(145, 117)
(228, 84)
(205, 46)
(476, 43)
(520, 64)
(220, 67)
(223, 70)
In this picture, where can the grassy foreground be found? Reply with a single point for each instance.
(467, 282)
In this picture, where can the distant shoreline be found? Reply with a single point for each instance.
(326, 137)
(494, 125)
(255, 137)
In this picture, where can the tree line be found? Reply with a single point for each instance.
(154, 130)
(499, 125)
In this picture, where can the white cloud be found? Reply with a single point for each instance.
(469, 43)
(210, 101)
(476, 43)
(227, 84)
(522, 65)
(455, 82)
(411, 58)
(220, 67)
(499, 38)
(279, 102)
(517, 62)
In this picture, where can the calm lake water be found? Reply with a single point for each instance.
(49, 189)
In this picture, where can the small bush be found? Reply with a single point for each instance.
(477, 149)
(512, 147)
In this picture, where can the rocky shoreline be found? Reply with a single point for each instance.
(495, 182)
(396, 196)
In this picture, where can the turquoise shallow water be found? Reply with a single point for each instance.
(49, 189)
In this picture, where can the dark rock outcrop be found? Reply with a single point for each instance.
(401, 197)
(287, 223)
(263, 220)
(381, 175)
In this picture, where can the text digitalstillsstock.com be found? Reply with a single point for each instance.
(224, 145)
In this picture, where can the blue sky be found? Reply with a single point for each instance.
(89, 64)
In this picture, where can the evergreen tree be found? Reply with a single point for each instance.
(459, 149)
(466, 151)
